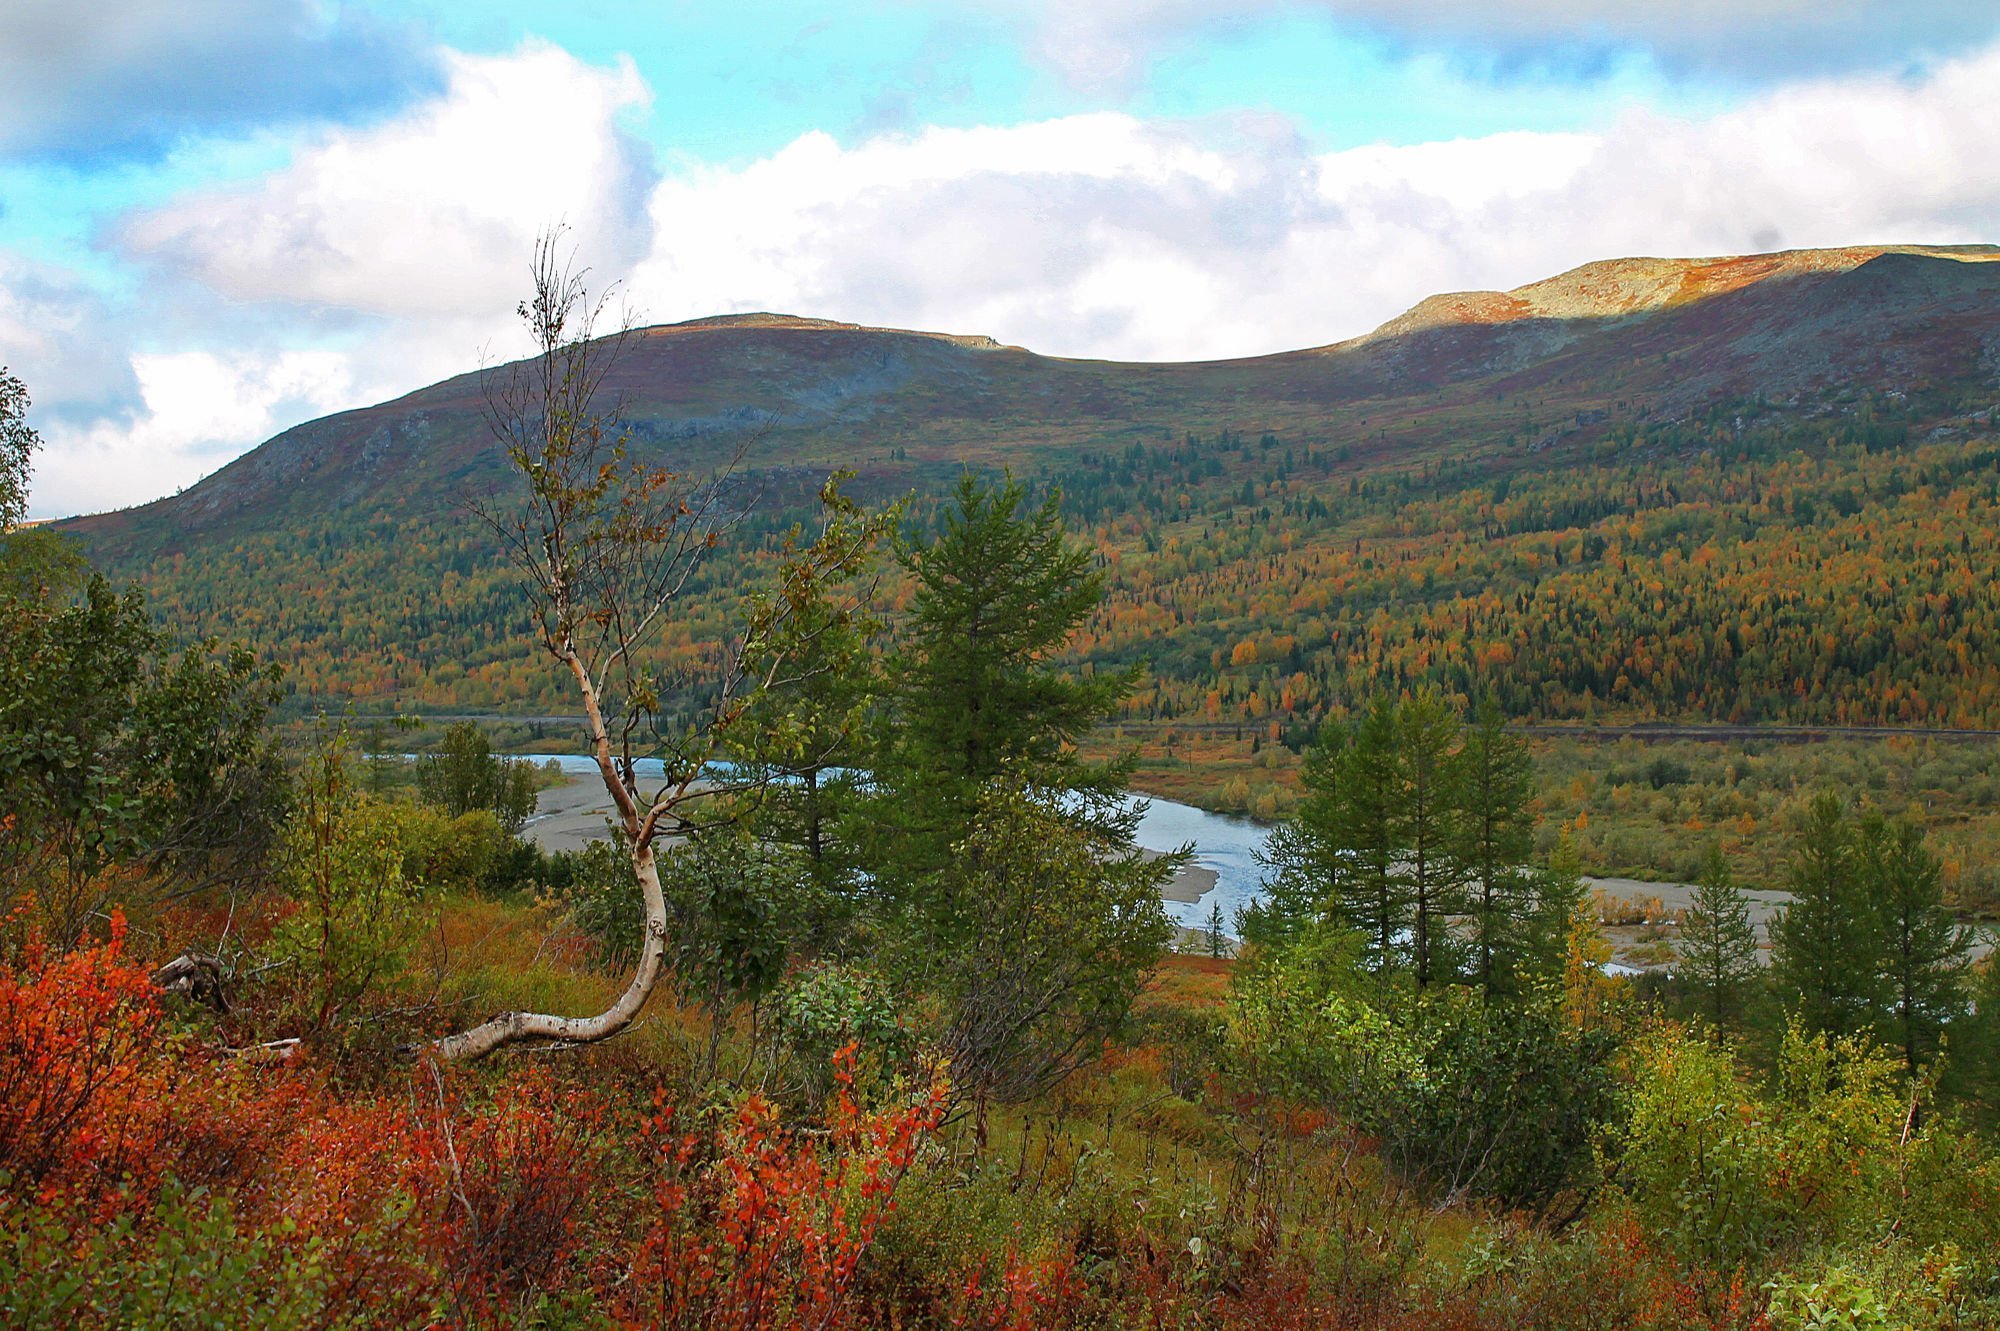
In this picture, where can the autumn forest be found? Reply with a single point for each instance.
(1615, 698)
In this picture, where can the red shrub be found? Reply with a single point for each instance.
(81, 1095)
(761, 1226)
(1031, 1295)
(502, 1184)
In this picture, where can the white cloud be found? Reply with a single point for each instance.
(433, 213)
(403, 248)
(1103, 235)
(378, 261)
(196, 409)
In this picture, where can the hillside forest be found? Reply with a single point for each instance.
(865, 1013)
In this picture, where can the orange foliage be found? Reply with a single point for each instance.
(79, 1102)
(764, 1226)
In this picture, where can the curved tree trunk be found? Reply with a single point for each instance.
(513, 1027)
(639, 827)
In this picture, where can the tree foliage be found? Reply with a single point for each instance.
(18, 442)
(1411, 821)
(1009, 884)
(465, 775)
(1035, 938)
(607, 546)
(1867, 944)
(1718, 947)
(118, 755)
(979, 698)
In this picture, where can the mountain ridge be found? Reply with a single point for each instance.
(1769, 500)
(1719, 324)
(1610, 288)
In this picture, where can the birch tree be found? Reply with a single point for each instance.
(607, 545)
(18, 442)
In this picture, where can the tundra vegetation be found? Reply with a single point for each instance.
(895, 1039)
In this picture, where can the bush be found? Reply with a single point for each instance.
(1699, 1157)
(1510, 1102)
(1505, 1100)
(759, 1226)
(188, 1264)
(78, 1086)
(825, 1007)
(347, 862)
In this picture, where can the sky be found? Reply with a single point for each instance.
(221, 218)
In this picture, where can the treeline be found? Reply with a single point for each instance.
(1416, 835)
(1817, 561)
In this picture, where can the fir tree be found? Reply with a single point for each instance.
(1560, 908)
(1011, 887)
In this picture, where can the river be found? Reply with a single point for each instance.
(1226, 847)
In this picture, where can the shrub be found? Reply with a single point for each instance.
(1699, 1156)
(761, 1226)
(79, 1091)
(189, 1263)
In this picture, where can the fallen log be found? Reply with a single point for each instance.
(196, 976)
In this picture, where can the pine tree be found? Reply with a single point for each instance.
(1718, 945)
(1924, 954)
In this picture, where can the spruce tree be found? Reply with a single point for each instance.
(1826, 946)
(1924, 953)
(1718, 945)
(1495, 840)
